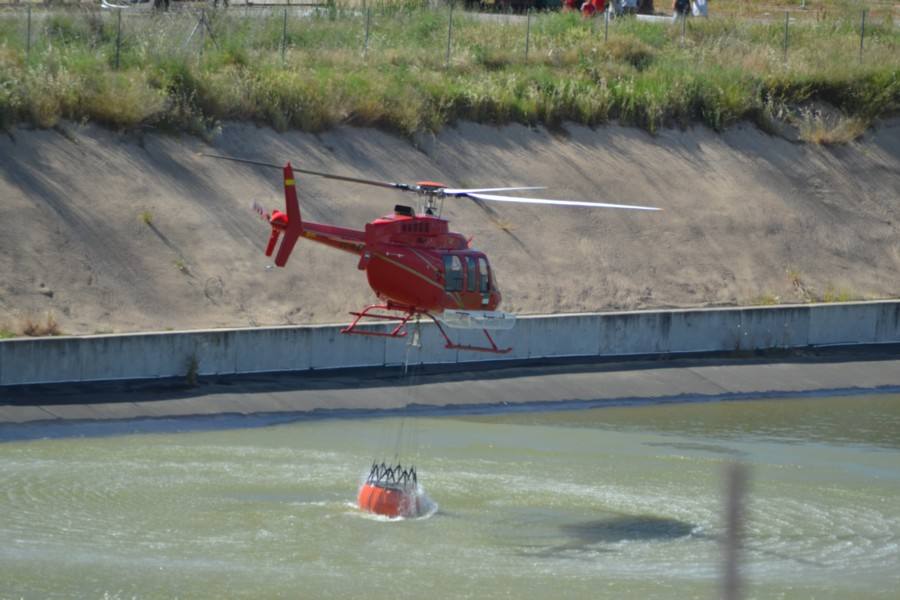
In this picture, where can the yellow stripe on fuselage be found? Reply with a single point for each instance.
(417, 274)
(288, 182)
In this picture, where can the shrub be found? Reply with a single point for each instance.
(48, 327)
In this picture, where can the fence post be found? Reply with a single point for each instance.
(527, 34)
(118, 35)
(449, 33)
(202, 30)
(683, 27)
(606, 26)
(862, 34)
(284, 34)
(28, 36)
(366, 44)
(786, 17)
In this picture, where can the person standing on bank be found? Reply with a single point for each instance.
(681, 8)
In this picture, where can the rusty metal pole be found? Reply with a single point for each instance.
(28, 36)
(862, 34)
(284, 35)
(118, 36)
(527, 34)
(449, 33)
(366, 44)
(786, 17)
(606, 26)
(202, 30)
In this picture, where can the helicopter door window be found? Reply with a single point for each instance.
(471, 275)
(453, 274)
(485, 273)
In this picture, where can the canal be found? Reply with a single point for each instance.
(614, 502)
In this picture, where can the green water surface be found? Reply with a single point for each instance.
(620, 502)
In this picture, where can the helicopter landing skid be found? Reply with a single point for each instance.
(382, 311)
(398, 331)
(453, 346)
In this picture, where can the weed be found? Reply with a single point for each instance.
(838, 295)
(796, 281)
(726, 70)
(146, 217)
(818, 129)
(36, 328)
(181, 266)
(504, 225)
(767, 299)
(6, 334)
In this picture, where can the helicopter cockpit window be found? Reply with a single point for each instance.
(453, 273)
(485, 275)
(471, 275)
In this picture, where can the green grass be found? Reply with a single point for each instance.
(767, 299)
(839, 295)
(725, 70)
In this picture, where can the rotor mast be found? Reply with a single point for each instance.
(429, 193)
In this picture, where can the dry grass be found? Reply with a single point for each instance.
(767, 299)
(644, 74)
(36, 328)
(839, 295)
(181, 266)
(796, 280)
(819, 129)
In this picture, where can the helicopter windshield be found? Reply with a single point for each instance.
(469, 273)
(484, 272)
(453, 273)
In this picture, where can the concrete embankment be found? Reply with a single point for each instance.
(601, 335)
(440, 390)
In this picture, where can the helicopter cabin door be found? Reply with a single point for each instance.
(467, 278)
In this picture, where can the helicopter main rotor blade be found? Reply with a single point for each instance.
(494, 198)
(436, 189)
(461, 191)
(385, 184)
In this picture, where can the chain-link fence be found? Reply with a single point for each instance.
(433, 33)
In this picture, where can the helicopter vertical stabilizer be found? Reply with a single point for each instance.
(290, 223)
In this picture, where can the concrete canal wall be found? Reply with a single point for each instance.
(235, 351)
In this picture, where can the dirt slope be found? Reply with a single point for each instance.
(123, 233)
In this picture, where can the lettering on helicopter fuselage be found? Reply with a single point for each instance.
(415, 228)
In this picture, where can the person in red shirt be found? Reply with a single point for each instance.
(592, 7)
(570, 5)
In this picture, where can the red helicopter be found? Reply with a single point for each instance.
(414, 263)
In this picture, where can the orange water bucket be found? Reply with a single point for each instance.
(388, 501)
